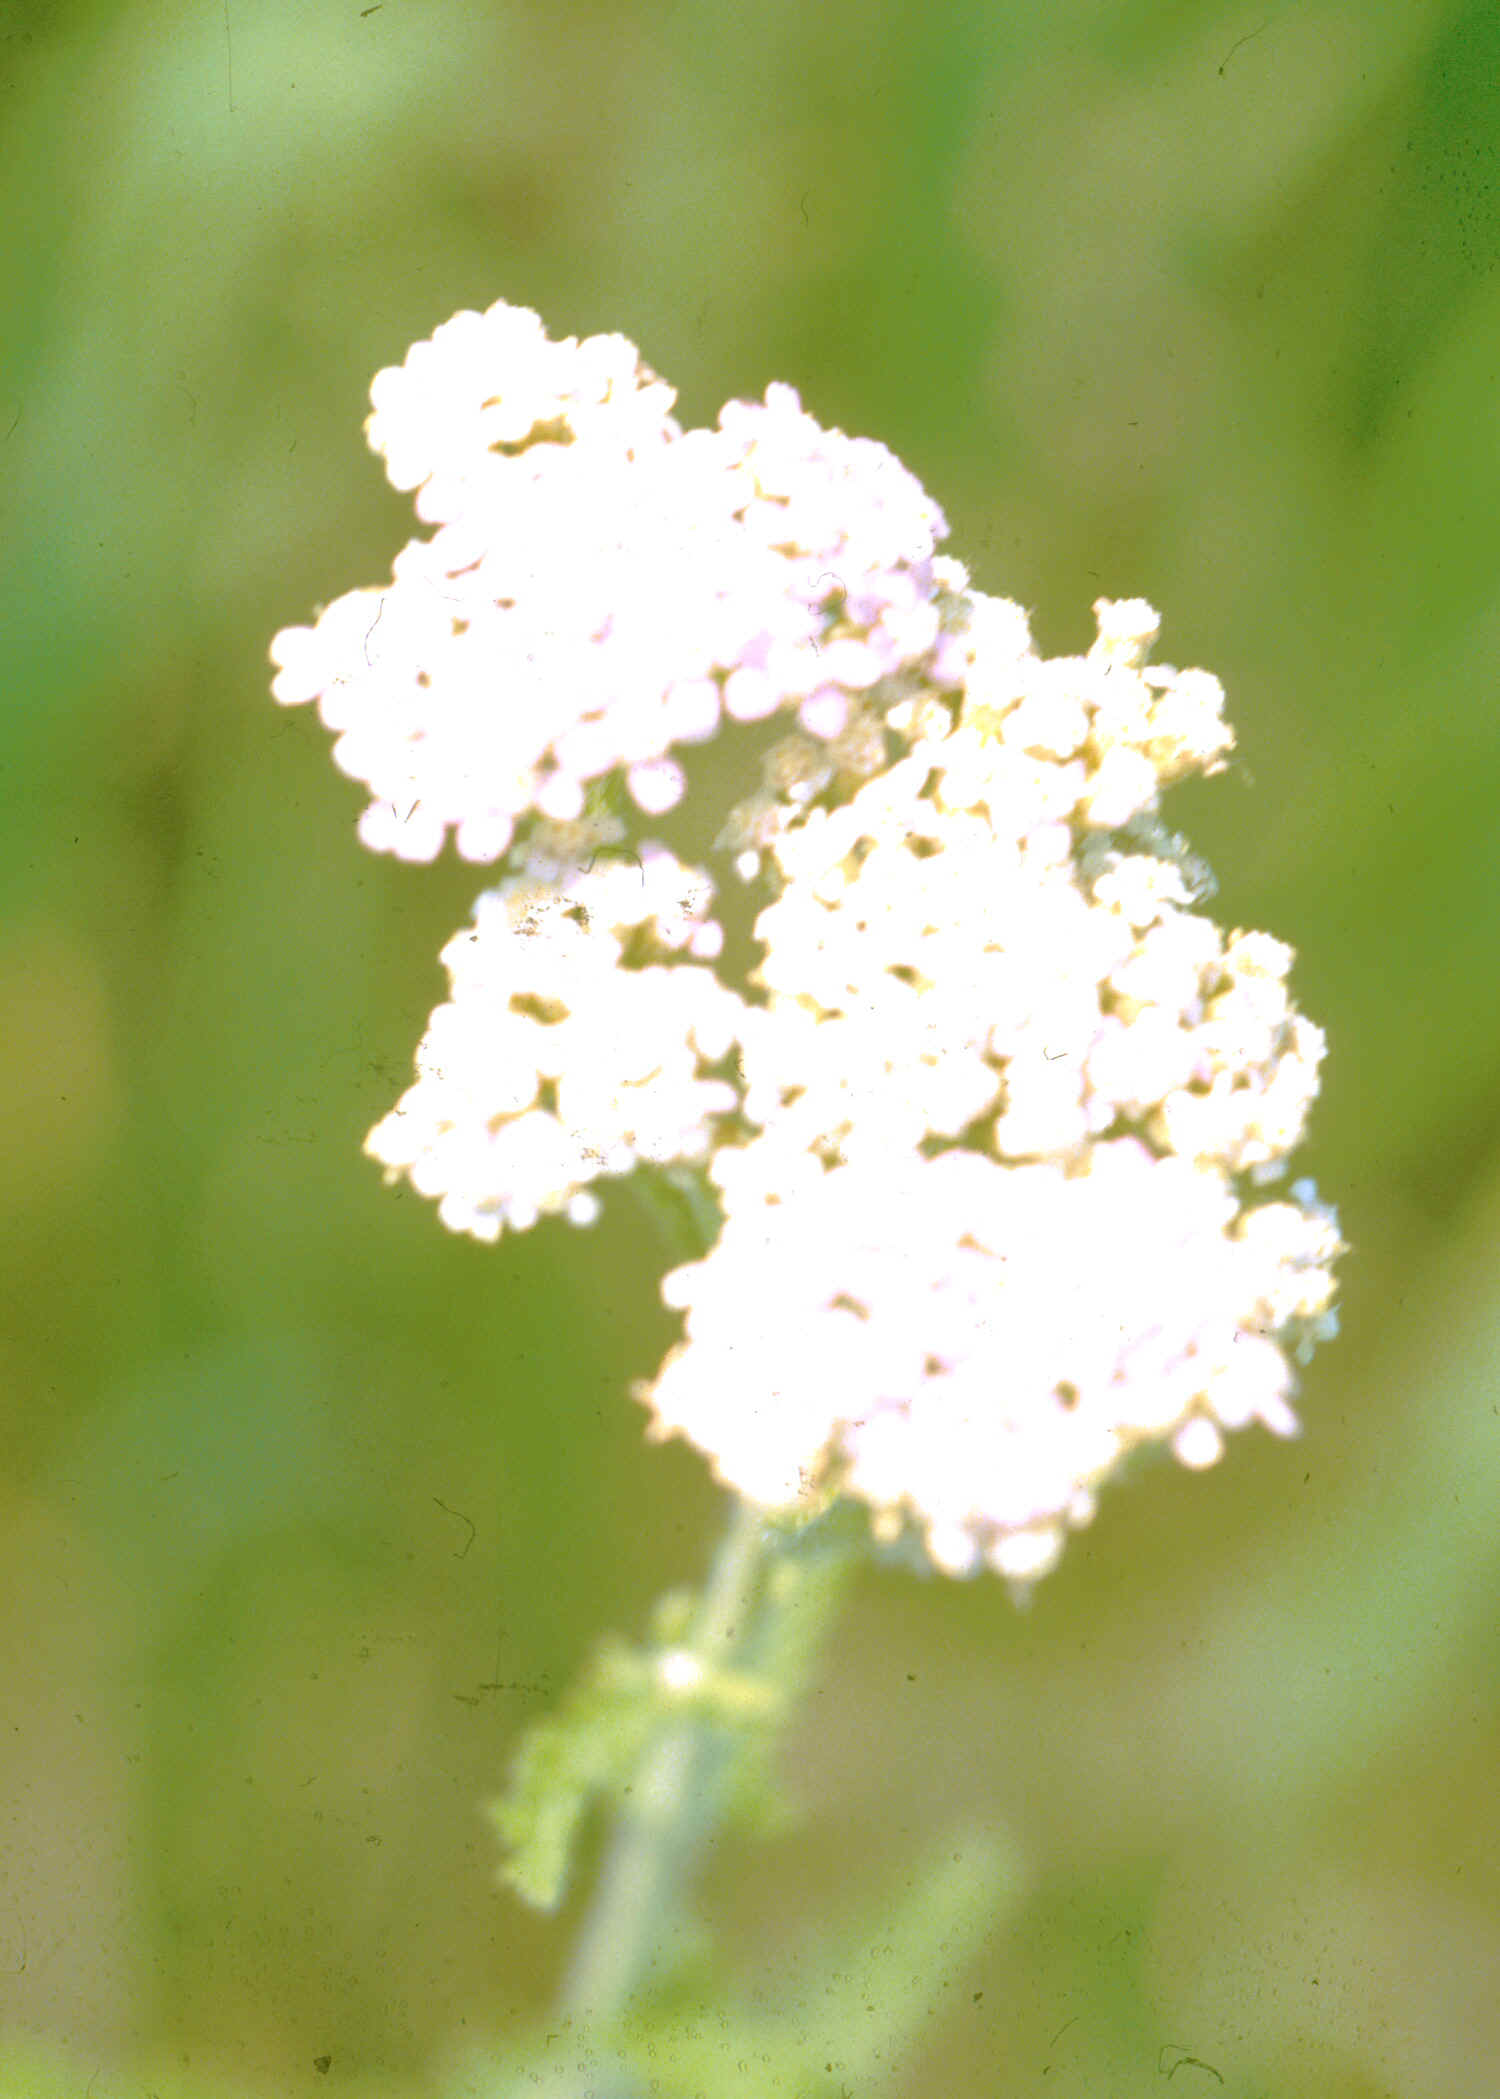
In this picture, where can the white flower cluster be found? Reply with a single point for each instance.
(939, 955)
(1003, 1084)
(600, 588)
(558, 1059)
(988, 1123)
(976, 1346)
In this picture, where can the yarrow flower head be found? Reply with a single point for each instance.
(988, 1129)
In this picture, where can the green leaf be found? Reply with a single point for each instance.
(566, 1763)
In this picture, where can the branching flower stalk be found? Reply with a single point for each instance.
(981, 1152)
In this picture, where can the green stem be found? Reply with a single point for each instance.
(766, 1606)
(661, 1834)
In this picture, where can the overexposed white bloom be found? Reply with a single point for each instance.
(554, 1063)
(1013, 1097)
(975, 1346)
(990, 1122)
(601, 588)
(488, 385)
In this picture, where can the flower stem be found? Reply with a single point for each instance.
(671, 1813)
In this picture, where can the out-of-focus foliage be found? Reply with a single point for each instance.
(306, 1507)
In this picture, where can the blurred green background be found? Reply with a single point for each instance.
(1196, 302)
